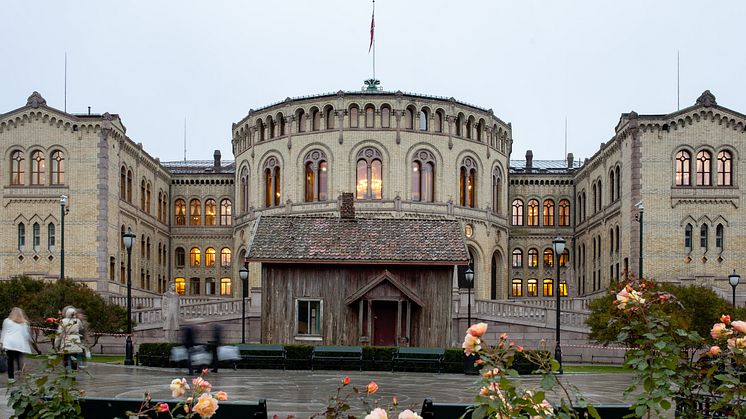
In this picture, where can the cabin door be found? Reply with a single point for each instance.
(384, 322)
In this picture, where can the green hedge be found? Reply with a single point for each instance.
(375, 358)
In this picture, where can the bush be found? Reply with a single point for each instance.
(155, 354)
(299, 357)
(378, 358)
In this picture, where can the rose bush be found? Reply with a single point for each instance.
(198, 400)
(341, 404)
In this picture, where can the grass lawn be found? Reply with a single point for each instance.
(590, 369)
(106, 359)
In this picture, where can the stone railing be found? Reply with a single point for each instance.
(530, 315)
(155, 302)
(570, 304)
(203, 309)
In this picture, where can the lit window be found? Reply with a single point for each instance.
(564, 212)
(548, 212)
(532, 288)
(517, 212)
(516, 289)
(225, 286)
(517, 258)
(548, 258)
(564, 258)
(226, 212)
(563, 288)
(548, 288)
(225, 257)
(180, 286)
(209, 256)
(272, 190)
(369, 174)
(533, 258)
(317, 173)
(308, 320)
(725, 173)
(423, 174)
(210, 212)
(533, 213)
(195, 212)
(194, 257)
(468, 230)
(467, 183)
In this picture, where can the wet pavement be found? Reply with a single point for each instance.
(304, 393)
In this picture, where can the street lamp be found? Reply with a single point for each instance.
(734, 279)
(63, 211)
(469, 277)
(559, 246)
(129, 239)
(243, 273)
(639, 218)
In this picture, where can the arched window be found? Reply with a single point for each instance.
(226, 212)
(209, 256)
(160, 205)
(164, 209)
(385, 117)
(548, 212)
(50, 236)
(147, 197)
(703, 233)
(564, 258)
(260, 129)
(469, 127)
(21, 236)
(369, 174)
(271, 126)
(532, 288)
(142, 195)
(612, 185)
(300, 117)
(480, 129)
(533, 258)
(180, 285)
(548, 287)
(58, 168)
(516, 289)
(195, 212)
(123, 184)
(704, 161)
(225, 257)
(564, 213)
(548, 258)
(459, 124)
(563, 288)
(194, 257)
(244, 190)
(281, 123)
(353, 116)
(438, 121)
(468, 183)
(329, 116)
(725, 173)
(719, 237)
(496, 190)
(17, 163)
(211, 212)
(611, 241)
(180, 257)
(532, 214)
(317, 172)
(38, 168)
(517, 212)
(129, 186)
(409, 118)
(370, 116)
(315, 119)
(272, 189)
(616, 236)
(683, 168)
(180, 212)
(595, 199)
(225, 286)
(600, 193)
(423, 120)
(618, 176)
(423, 176)
(36, 237)
(517, 258)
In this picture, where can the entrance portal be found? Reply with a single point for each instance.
(384, 322)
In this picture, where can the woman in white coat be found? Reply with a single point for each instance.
(68, 341)
(16, 339)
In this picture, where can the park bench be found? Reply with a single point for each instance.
(267, 355)
(105, 407)
(338, 355)
(431, 410)
(407, 356)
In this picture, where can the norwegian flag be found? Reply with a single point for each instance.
(372, 27)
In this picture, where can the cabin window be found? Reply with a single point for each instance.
(308, 317)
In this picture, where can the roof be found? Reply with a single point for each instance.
(286, 239)
(198, 167)
(538, 166)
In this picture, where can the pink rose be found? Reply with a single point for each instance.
(162, 408)
(377, 413)
(719, 330)
(221, 395)
(408, 414)
(206, 406)
(477, 329)
(714, 351)
(737, 343)
(372, 387)
(471, 344)
(725, 318)
(739, 325)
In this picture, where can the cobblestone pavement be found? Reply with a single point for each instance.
(304, 393)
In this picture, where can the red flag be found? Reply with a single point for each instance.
(372, 29)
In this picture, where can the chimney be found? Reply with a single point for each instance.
(216, 156)
(529, 160)
(570, 159)
(347, 209)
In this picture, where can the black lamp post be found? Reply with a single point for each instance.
(129, 240)
(469, 277)
(639, 218)
(243, 273)
(734, 279)
(63, 212)
(559, 246)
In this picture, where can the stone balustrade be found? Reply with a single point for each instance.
(193, 310)
(155, 302)
(569, 304)
(530, 315)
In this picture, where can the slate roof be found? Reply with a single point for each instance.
(198, 167)
(281, 239)
(544, 166)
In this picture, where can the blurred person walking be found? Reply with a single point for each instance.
(68, 341)
(16, 339)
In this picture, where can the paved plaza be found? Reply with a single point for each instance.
(304, 393)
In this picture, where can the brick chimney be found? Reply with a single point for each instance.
(570, 160)
(529, 160)
(216, 164)
(347, 208)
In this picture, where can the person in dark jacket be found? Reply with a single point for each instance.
(187, 340)
(217, 332)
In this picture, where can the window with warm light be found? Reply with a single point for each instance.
(180, 286)
(548, 212)
(548, 258)
(209, 256)
(532, 215)
(517, 258)
(225, 257)
(548, 287)
(563, 288)
(195, 212)
(225, 286)
(272, 190)
(211, 212)
(564, 258)
(467, 183)
(369, 174)
(533, 258)
(226, 212)
(532, 288)
(317, 173)
(516, 289)
(564, 213)
(195, 257)
(180, 212)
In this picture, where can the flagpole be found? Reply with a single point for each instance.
(374, 40)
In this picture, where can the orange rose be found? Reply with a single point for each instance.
(346, 381)
(206, 406)
(221, 395)
(477, 330)
(372, 387)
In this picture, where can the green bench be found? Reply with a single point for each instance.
(431, 410)
(407, 356)
(103, 407)
(268, 355)
(337, 355)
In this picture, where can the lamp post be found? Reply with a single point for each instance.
(559, 246)
(639, 218)
(63, 211)
(243, 273)
(469, 277)
(734, 279)
(129, 240)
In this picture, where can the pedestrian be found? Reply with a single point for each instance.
(187, 340)
(16, 339)
(86, 353)
(217, 332)
(68, 341)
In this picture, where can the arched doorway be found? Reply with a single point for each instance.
(496, 276)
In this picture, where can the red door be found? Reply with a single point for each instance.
(384, 323)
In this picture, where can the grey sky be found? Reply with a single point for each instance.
(532, 62)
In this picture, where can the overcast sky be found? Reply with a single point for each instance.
(532, 62)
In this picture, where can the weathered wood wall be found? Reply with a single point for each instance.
(283, 284)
